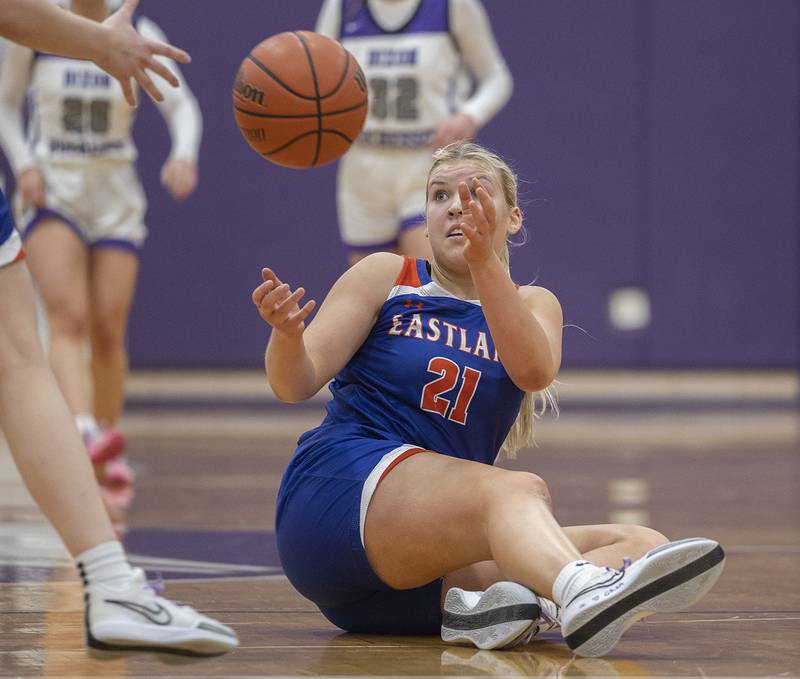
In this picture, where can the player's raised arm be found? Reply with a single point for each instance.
(299, 360)
(114, 45)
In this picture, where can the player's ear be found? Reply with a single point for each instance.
(514, 221)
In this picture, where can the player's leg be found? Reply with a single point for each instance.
(52, 461)
(412, 176)
(58, 261)
(365, 190)
(604, 545)
(39, 426)
(113, 280)
(433, 515)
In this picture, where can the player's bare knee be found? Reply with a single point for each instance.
(648, 538)
(639, 538)
(108, 334)
(69, 320)
(530, 485)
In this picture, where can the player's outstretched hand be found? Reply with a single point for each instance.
(179, 177)
(457, 127)
(30, 185)
(129, 55)
(479, 222)
(279, 306)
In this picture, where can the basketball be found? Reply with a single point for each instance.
(300, 99)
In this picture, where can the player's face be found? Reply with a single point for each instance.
(444, 212)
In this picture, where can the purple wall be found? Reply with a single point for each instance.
(658, 144)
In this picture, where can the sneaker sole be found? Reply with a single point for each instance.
(181, 643)
(501, 619)
(675, 576)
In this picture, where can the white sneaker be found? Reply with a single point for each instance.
(550, 617)
(136, 618)
(668, 578)
(501, 617)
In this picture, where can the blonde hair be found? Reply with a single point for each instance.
(534, 404)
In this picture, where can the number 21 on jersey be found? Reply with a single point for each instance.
(432, 400)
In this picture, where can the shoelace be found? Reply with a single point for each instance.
(583, 578)
(550, 617)
(156, 586)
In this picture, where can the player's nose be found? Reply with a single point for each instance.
(455, 207)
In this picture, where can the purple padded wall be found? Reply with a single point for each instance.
(657, 141)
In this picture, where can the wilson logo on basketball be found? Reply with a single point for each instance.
(248, 91)
(252, 134)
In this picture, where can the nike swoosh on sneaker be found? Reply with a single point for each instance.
(158, 615)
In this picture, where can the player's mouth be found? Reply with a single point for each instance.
(456, 232)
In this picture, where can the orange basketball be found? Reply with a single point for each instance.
(300, 99)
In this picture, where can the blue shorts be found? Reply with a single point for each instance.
(322, 506)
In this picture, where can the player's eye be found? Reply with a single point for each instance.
(440, 195)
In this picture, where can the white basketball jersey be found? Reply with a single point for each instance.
(415, 74)
(78, 110)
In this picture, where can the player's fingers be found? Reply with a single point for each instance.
(268, 274)
(161, 70)
(469, 230)
(464, 194)
(260, 292)
(128, 7)
(127, 90)
(288, 303)
(165, 50)
(276, 296)
(486, 202)
(148, 85)
(299, 316)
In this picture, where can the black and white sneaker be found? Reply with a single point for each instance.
(136, 618)
(666, 579)
(501, 617)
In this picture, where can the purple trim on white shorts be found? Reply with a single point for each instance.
(117, 244)
(373, 247)
(43, 214)
(412, 222)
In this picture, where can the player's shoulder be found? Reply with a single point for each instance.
(372, 277)
(379, 268)
(537, 296)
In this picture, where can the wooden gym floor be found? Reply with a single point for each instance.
(712, 454)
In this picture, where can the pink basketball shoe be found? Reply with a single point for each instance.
(105, 446)
(117, 473)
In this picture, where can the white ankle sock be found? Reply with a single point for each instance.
(106, 563)
(571, 579)
(87, 425)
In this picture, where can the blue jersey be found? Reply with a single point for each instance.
(6, 221)
(10, 243)
(428, 374)
(426, 378)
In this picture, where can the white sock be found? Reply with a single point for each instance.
(570, 580)
(106, 563)
(87, 425)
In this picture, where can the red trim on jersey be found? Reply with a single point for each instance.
(400, 458)
(20, 256)
(408, 274)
